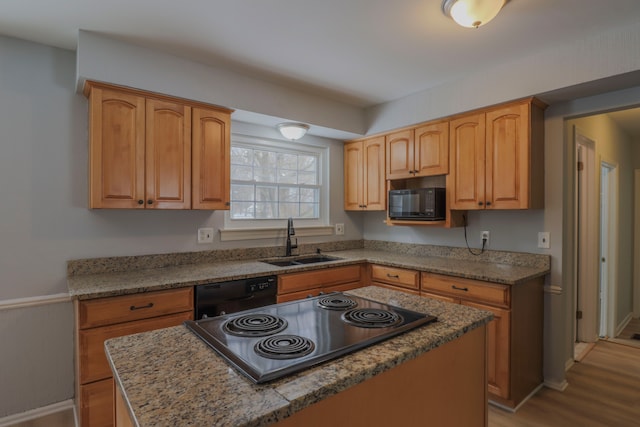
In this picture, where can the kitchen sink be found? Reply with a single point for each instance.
(300, 260)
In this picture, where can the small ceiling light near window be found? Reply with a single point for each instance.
(472, 13)
(293, 131)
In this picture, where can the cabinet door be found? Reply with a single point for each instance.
(168, 155)
(467, 162)
(373, 175)
(211, 151)
(498, 344)
(116, 149)
(400, 160)
(353, 176)
(432, 149)
(507, 157)
(96, 407)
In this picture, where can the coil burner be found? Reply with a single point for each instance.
(371, 318)
(336, 302)
(255, 325)
(284, 347)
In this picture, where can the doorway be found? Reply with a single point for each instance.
(586, 242)
(608, 245)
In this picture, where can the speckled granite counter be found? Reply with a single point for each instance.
(170, 377)
(101, 277)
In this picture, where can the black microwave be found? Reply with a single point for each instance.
(425, 204)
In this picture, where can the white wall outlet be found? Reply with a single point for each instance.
(205, 235)
(339, 229)
(484, 238)
(543, 239)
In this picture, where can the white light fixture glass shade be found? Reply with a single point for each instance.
(472, 13)
(293, 131)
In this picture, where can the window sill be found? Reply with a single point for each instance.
(271, 233)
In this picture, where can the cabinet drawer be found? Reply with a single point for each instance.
(109, 311)
(397, 288)
(466, 289)
(93, 360)
(409, 279)
(318, 278)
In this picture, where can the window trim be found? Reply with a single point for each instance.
(250, 229)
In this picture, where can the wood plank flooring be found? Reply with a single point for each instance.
(604, 390)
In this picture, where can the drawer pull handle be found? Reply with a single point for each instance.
(133, 307)
(393, 276)
(460, 289)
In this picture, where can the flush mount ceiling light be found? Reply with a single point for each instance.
(472, 13)
(293, 131)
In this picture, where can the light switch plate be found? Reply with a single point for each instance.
(543, 239)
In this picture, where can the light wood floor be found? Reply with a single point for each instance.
(604, 390)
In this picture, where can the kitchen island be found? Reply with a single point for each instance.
(435, 373)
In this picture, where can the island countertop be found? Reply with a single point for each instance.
(508, 268)
(171, 377)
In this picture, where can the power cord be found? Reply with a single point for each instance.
(484, 240)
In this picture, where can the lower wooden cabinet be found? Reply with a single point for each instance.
(104, 318)
(304, 284)
(514, 362)
(399, 279)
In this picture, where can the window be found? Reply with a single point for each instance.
(274, 180)
(274, 183)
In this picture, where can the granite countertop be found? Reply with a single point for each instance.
(171, 377)
(505, 267)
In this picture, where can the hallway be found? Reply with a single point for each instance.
(604, 390)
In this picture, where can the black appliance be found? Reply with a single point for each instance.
(425, 204)
(215, 299)
(277, 340)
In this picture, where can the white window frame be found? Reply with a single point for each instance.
(250, 229)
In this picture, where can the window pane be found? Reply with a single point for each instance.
(242, 210)
(309, 195)
(242, 192)
(288, 177)
(287, 210)
(241, 156)
(288, 194)
(241, 173)
(307, 178)
(266, 194)
(266, 210)
(265, 174)
(307, 163)
(264, 159)
(287, 161)
(308, 210)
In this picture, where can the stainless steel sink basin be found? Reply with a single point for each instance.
(314, 259)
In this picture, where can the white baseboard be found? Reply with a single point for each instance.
(39, 413)
(513, 410)
(558, 386)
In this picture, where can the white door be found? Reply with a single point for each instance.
(608, 245)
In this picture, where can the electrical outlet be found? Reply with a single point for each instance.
(543, 239)
(484, 237)
(205, 235)
(339, 229)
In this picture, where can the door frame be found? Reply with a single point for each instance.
(608, 248)
(586, 265)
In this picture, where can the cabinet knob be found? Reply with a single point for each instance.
(480, 203)
(488, 203)
(149, 202)
(140, 202)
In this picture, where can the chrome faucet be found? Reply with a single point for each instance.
(290, 232)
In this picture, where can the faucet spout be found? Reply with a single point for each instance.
(290, 232)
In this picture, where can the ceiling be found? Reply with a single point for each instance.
(361, 52)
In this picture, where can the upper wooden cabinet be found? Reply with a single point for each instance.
(148, 151)
(423, 151)
(497, 158)
(364, 185)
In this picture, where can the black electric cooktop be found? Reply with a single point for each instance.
(270, 342)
